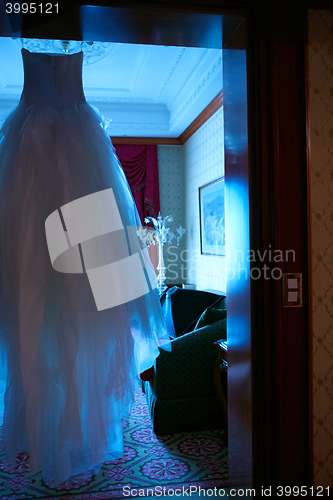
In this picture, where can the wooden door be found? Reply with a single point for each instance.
(238, 248)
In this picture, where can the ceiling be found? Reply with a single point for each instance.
(145, 90)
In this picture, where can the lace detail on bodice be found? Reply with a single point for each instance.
(55, 80)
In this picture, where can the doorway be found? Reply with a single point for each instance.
(193, 30)
(275, 380)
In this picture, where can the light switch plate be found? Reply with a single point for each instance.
(292, 283)
(292, 290)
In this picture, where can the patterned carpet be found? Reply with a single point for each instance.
(171, 462)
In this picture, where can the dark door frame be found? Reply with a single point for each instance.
(281, 415)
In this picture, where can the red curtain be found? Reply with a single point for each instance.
(141, 169)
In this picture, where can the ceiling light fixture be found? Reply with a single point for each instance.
(92, 51)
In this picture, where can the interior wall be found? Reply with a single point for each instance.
(182, 170)
(321, 180)
(171, 178)
(203, 163)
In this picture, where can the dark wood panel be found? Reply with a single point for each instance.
(65, 24)
(166, 141)
(262, 236)
(279, 210)
(155, 25)
(191, 23)
(319, 4)
(290, 232)
(151, 26)
(309, 248)
(238, 247)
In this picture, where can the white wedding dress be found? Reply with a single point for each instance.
(69, 364)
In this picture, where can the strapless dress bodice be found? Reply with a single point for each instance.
(55, 80)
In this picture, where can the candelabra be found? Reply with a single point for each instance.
(160, 235)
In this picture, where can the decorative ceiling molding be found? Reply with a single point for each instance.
(199, 63)
(138, 100)
(137, 69)
(147, 141)
(129, 100)
(109, 89)
(2, 80)
(134, 107)
(14, 87)
(200, 87)
(127, 126)
(212, 107)
(172, 69)
(6, 107)
(125, 84)
(207, 113)
(9, 97)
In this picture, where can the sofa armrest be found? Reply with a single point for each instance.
(186, 370)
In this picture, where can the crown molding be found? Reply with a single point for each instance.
(172, 69)
(129, 100)
(147, 141)
(212, 107)
(207, 113)
(210, 73)
(11, 97)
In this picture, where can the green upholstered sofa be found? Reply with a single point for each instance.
(181, 395)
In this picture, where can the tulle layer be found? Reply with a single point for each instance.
(68, 369)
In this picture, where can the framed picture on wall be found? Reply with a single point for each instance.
(212, 217)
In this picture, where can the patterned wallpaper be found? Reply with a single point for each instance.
(182, 170)
(171, 177)
(321, 179)
(203, 162)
